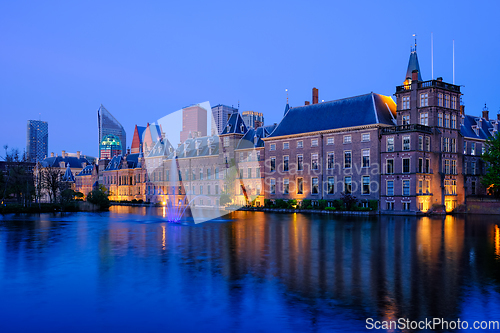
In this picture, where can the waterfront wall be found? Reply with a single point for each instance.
(483, 205)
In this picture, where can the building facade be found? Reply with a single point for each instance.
(110, 129)
(37, 140)
(253, 119)
(194, 122)
(220, 116)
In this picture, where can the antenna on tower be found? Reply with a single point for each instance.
(453, 61)
(432, 56)
(286, 95)
(415, 35)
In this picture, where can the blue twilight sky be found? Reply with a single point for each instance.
(142, 60)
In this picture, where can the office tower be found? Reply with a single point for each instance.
(37, 140)
(253, 119)
(221, 114)
(194, 121)
(112, 136)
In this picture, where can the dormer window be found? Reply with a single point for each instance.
(197, 144)
(228, 128)
(242, 128)
(255, 139)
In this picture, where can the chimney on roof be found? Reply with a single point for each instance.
(78, 154)
(315, 96)
(128, 151)
(52, 154)
(63, 153)
(498, 116)
(306, 103)
(414, 75)
(486, 114)
(440, 79)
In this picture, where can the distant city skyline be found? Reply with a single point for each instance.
(64, 61)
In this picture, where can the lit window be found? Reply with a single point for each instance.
(424, 100)
(406, 187)
(406, 102)
(366, 185)
(330, 161)
(300, 185)
(390, 187)
(314, 162)
(365, 158)
(300, 162)
(390, 144)
(285, 163)
(331, 185)
(348, 184)
(347, 159)
(424, 118)
(314, 185)
(406, 142)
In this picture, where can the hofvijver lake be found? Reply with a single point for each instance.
(128, 271)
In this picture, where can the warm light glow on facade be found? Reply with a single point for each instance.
(497, 241)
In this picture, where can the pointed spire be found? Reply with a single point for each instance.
(287, 106)
(413, 63)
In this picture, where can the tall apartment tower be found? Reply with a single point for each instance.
(220, 116)
(420, 156)
(37, 140)
(253, 119)
(194, 121)
(112, 136)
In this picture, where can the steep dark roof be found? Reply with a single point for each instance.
(86, 171)
(161, 148)
(248, 140)
(484, 127)
(412, 65)
(73, 161)
(116, 162)
(68, 175)
(188, 147)
(348, 112)
(235, 125)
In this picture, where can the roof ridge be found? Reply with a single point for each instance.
(337, 100)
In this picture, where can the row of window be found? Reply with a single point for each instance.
(447, 102)
(365, 137)
(328, 187)
(249, 173)
(330, 164)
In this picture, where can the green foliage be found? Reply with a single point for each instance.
(292, 203)
(268, 203)
(338, 204)
(330, 208)
(492, 156)
(305, 203)
(99, 197)
(280, 203)
(322, 204)
(349, 200)
(373, 204)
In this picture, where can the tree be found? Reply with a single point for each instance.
(51, 180)
(18, 180)
(492, 157)
(349, 200)
(99, 197)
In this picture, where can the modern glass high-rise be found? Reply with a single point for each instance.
(221, 114)
(253, 119)
(109, 126)
(37, 140)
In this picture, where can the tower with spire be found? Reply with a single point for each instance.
(422, 150)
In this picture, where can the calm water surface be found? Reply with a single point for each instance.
(128, 271)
